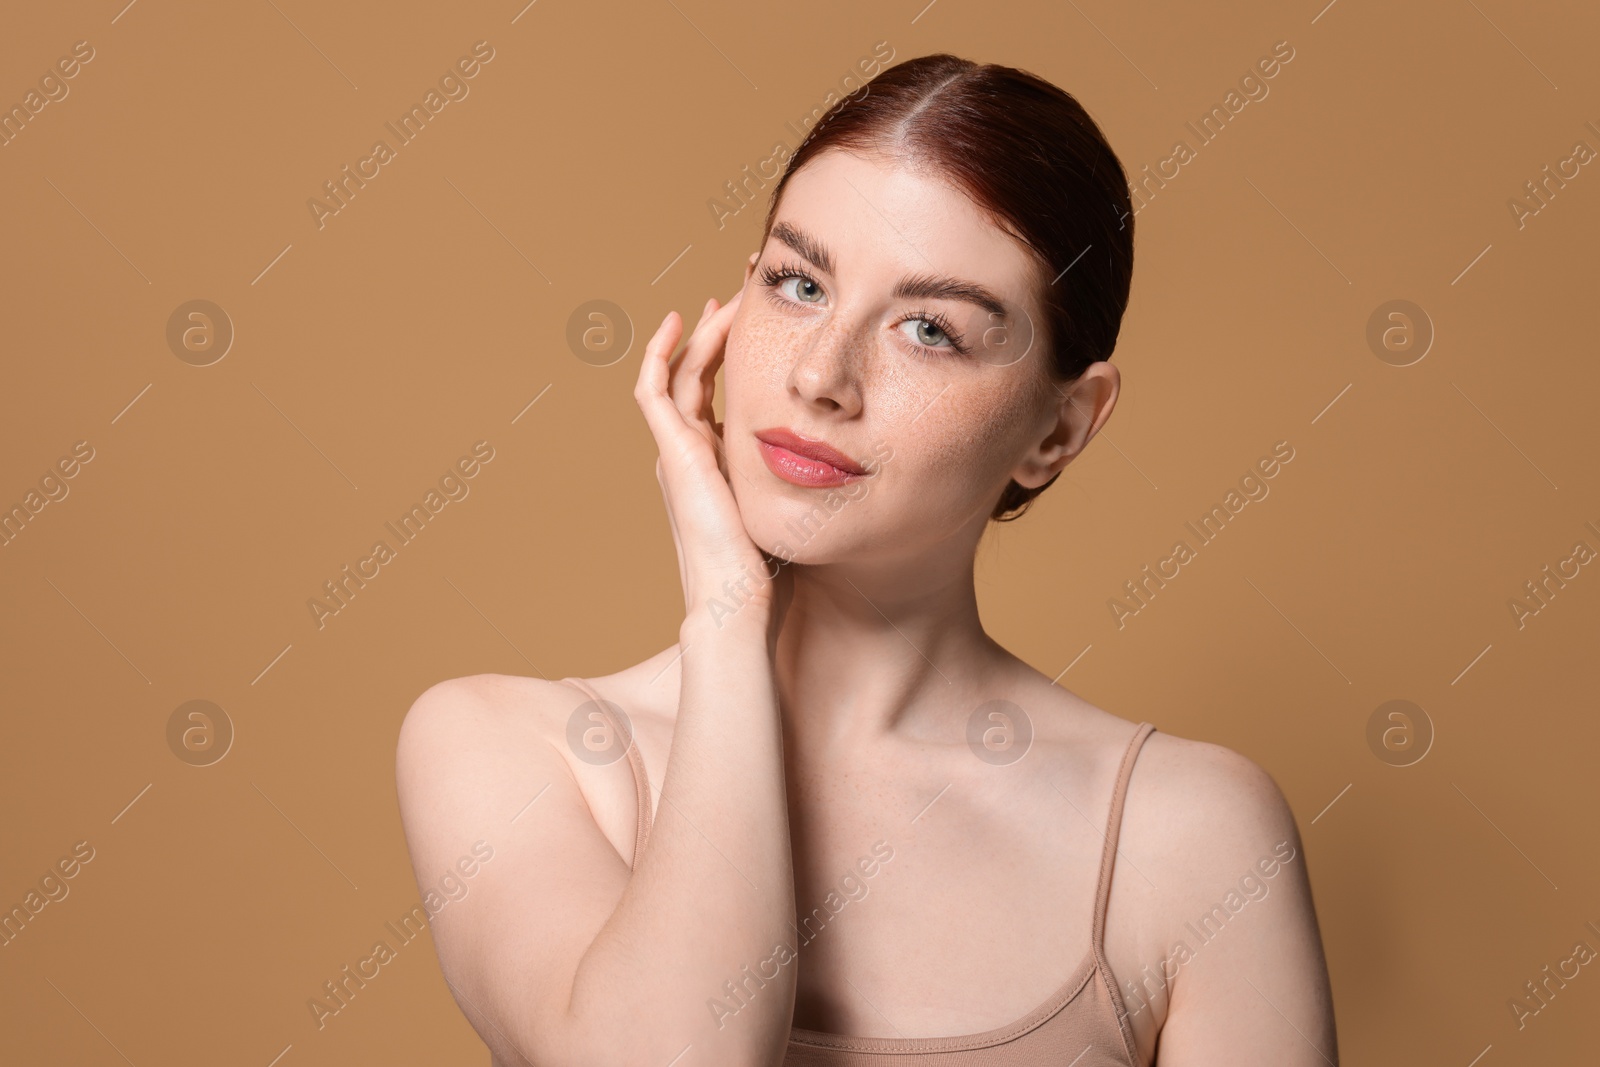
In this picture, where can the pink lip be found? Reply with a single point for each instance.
(806, 461)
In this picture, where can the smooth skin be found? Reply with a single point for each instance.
(828, 710)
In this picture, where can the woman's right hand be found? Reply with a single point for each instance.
(724, 574)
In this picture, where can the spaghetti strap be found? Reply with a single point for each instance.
(1108, 856)
(641, 781)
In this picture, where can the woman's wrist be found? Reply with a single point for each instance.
(721, 620)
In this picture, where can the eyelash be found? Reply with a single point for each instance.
(772, 275)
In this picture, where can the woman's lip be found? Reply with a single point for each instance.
(810, 448)
(805, 461)
(802, 470)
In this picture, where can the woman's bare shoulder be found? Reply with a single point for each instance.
(489, 735)
(1183, 782)
(1199, 804)
(476, 741)
(1203, 816)
(1202, 784)
(482, 749)
(493, 709)
(479, 710)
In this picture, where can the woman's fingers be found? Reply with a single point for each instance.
(689, 459)
(682, 370)
(677, 361)
(708, 531)
(652, 379)
(651, 390)
(695, 372)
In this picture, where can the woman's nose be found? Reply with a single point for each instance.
(827, 371)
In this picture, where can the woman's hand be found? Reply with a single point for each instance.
(724, 573)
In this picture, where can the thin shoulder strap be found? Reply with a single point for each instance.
(1108, 857)
(641, 781)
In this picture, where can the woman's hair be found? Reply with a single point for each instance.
(1027, 154)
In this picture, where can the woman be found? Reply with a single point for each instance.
(837, 823)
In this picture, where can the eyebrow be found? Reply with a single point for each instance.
(911, 287)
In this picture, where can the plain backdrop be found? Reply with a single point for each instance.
(375, 346)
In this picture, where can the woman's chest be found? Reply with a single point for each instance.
(941, 911)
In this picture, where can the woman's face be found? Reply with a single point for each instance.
(891, 321)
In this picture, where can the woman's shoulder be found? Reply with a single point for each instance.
(482, 748)
(478, 710)
(1196, 804)
(492, 731)
(1201, 816)
(1203, 784)
(1187, 779)
(483, 733)
(504, 705)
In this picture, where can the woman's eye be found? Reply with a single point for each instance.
(928, 334)
(805, 291)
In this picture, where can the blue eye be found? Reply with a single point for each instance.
(777, 277)
(927, 333)
(813, 296)
(933, 332)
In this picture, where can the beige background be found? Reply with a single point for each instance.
(371, 353)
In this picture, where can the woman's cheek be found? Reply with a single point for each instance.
(754, 366)
(899, 394)
(966, 437)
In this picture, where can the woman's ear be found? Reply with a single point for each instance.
(1071, 420)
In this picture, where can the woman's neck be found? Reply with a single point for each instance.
(898, 648)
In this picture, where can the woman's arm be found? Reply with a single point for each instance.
(1251, 986)
(564, 956)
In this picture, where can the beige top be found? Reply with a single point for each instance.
(1084, 1023)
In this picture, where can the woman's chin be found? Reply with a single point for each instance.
(790, 540)
(789, 549)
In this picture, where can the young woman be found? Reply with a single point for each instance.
(836, 823)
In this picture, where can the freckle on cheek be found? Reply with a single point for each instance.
(757, 360)
(962, 428)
